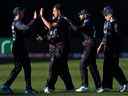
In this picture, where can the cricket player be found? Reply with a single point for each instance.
(110, 45)
(20, 52)
(58, 50)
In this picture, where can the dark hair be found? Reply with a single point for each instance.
(58, 6)
(17, 10)
(107, 10)
(84, 12)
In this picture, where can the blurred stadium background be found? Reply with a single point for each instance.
(71, 8)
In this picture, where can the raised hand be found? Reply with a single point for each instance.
(35, 15)
(41, 12)
(98, 50)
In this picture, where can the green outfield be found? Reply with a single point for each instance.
(40, 73)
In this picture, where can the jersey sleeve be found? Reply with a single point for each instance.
(21, 26)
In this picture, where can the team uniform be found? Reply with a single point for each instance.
(88, 57)
(111, 68)
(20, 53)
(58, 50)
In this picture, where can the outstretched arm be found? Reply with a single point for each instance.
(99, 48)
(32, 21)
(74, 27)
(22, 26)
(46, 23)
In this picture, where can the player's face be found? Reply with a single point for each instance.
(55, 12)
(81, 17)
(108, 17)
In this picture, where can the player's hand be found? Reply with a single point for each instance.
(41, 12)
(98, 50)
(35, 15)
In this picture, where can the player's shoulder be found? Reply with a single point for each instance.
(17, 22)
(114, 21)
(64, 19)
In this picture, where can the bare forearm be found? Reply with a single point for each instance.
(101, 44)
(31, 22)
(99, 48)
(46, 23)
(74, 27)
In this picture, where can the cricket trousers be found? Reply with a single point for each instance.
(111, 69)
(88, 59)
(21, 59)
(58, 66)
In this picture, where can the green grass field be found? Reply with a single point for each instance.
(40, 73)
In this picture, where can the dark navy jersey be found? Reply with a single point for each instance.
(19, 30)
(111, 34)
(54, 35)
(88, 30)
(59, 32)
